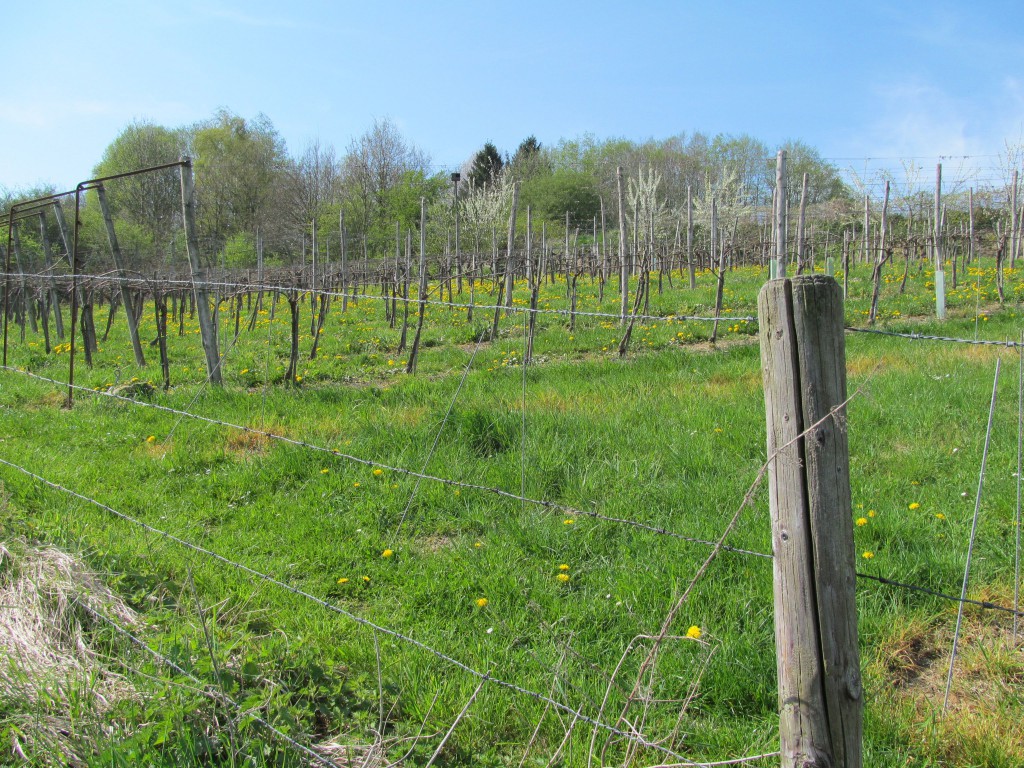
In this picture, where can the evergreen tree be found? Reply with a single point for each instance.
(487, 166)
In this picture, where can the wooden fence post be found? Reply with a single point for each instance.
(803, 361)
(126, 294)
(207, 321)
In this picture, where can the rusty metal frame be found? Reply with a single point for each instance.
(36, 205)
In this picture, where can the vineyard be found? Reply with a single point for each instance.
(499, 505)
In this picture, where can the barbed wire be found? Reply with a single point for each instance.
(986, 604)
(483, 676)
(927, 337)
(352, 296)
(654, 529)
(547, 504)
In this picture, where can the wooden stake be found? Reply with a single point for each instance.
(780, 214)
(623, 267)
(126, 299)
(803, 361)
(207, 327)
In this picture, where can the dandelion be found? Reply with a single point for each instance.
(563, 567)
(343, 580)
(378, 472)
(481, 602)
(366, 579)
(694, 632)
(913, 505)
(244, 370)
(387, 553)
(478, 544)
(151, 439)
(298, 379)
(871, 513)
(324, 471)
(868, 555)
(862, 521)
(563, 577)
(940, 516)
(355, 485)
(568, 521)
(718, 429)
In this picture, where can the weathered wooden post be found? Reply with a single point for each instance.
(803, 361)
(207, 326)
(126, 295)
(781, 215)
(940, 275)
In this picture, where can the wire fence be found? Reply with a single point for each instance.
(631, 735)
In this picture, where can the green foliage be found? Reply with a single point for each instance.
(238, 162)
(150, 201)
(240, 251)
(551, 195)
(529, 161)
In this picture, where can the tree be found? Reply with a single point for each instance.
(487, 166)
(238, 164)
(375, 165)
(564, 190)
(150, 201)
(529, 161)
(823, 180)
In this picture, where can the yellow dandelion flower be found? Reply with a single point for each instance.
(378, 472)
(366, 579)
(913, 505)
(568, 521)
(694, 632)
(324, 471)
(343, 580)
(563, 567)
(478, 544)
(868, 555)
(298, 379)
(387, 553)
(871, 513)
(355, 485)
(940, 516)
(151, 439)
(862, 521)
(563, 577)
(481, 602)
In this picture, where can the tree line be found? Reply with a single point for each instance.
(257, 201)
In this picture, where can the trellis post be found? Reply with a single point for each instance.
(207, 325)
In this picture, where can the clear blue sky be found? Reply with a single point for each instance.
(879, 78)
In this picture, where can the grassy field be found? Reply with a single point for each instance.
(559, 603)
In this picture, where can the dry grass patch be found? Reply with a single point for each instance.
(984, 718)
(53, 685)
(248, 444)
(862, 365)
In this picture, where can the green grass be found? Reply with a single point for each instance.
(671, 436)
